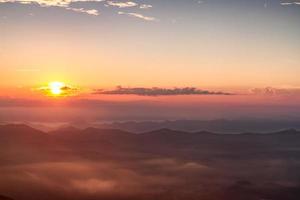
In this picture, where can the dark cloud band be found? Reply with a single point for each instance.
(155, 91)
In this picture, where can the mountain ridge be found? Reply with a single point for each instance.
(26, 128)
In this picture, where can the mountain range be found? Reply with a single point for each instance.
(92, 163)
(217, 126)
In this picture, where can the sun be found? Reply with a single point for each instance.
(56, 88)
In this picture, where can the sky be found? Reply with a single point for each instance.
(131, 60)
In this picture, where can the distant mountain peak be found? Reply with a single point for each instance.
(18, 128)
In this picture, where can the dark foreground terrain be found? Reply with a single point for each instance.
(94, 164)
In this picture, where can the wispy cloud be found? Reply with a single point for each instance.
(145, 6)
(122, 4)
(58, 3)
(68, 5)
(82, 10)
(47, 3)
(290, 2)
(138, 15)
(155, 91)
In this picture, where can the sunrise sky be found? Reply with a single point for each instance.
(227, 59)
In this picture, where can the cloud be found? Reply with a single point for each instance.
(58, 3)
(155, 91)
(289, 2)
(271, 91)
(67, 4)
(145, 6)
(80, 179)
(140, 16)
(128, 4)
(48, 3)
(82, 10)
(122, 4)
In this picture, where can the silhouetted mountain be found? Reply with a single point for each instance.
(219, 126)
(26, 144)
(18, 130)
(19, 134)
(114, 138)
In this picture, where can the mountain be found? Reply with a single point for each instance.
(26, 144)
(18, 131)
(162, 164)
(219, 126)
(19, 135)
(114, 138)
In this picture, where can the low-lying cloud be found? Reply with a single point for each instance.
(156, 91)
(272, 91)
(99, 178)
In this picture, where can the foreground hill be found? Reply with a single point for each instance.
(5, 198)
(163, 164)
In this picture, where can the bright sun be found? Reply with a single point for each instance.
(56, 88)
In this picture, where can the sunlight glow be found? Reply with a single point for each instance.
(56, 88)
